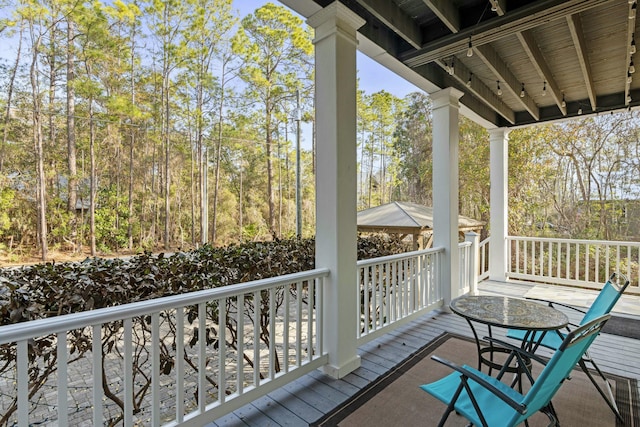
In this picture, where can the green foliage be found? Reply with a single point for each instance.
(111, 216)
(7, 196)
(52, 289)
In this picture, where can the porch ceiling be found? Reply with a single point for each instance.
(579, 51)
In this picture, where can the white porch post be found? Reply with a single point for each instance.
(499, 163)
(445, 186)
(336, 230)
(474, 262)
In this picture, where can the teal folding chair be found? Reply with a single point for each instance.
(603, 304)
(486, 401)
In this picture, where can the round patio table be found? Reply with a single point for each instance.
(511, 313)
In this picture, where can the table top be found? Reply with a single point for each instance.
(514, 313)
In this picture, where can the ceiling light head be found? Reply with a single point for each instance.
(579, 110)
(499, 89)
(470, 49)
(632, 10)
(469, 81)
(494, 5)
(544, 89)
(522, 91)
(564, 103)
(452, 69)
(632, 69)
(629, 99)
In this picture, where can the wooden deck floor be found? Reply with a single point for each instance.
(313, 395)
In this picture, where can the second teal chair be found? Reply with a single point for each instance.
(603, 304)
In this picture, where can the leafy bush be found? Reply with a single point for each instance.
(47, 290)
(52, 289)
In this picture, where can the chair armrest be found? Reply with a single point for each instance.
(520, 354)
(485, 381)
(516, 349)
(552, 303)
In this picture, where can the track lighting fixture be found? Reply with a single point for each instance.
(544, 89)
(579, 110)
(452, 69)
(470, 49)
(632, 69)
(522, 91)
(628, 98)
(632, 10)
(494, 5)
(469, 81)
(564, 103)
(499, 90)
(633, 44)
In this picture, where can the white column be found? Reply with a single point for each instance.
(336, 230)
(499, 163)
(445, 186)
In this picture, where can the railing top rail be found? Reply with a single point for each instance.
(582, 241)
(397, 257)
(43, 327)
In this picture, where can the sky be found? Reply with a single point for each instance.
(373, 76)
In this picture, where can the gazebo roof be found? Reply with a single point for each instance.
(406, 217)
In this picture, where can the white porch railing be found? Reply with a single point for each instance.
(585, 263)
(395, 289)
(168, 361)
(164, 361)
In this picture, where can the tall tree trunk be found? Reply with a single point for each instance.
(71, 133)
(201, 166)
(216, 188)
(272, 219)
(192, 189)
(167, 181)
(38, 145)
(132, 135)
(93, 179)
(53, 75)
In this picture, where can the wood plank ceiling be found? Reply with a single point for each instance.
(517, 61)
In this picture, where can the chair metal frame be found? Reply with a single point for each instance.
(603, 304)
(486, 401)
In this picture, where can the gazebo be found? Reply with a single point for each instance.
(409, 219)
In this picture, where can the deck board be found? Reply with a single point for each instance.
(310, 397)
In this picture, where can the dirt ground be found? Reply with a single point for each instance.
(16, 260)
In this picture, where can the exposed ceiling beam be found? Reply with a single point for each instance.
(446, 11)
(393, 17)
(537, 59)
(491, 58)
(575, 27)
(520, 19)
(631, 49)
(480, 90)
